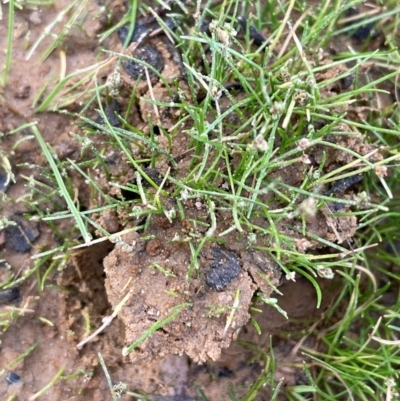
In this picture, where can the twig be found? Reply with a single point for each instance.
(106, 321)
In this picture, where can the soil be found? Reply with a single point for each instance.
(146, 272)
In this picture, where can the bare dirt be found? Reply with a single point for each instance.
(196, 348)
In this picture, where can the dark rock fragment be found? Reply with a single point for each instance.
(226, 372)
(254, 33)
(10, 296)
(205, 26)
(223, 269)
(148, 54)
(13, 378)
(153, 174)
(343, 184)
(139, 31)
(4, 182)
(347, 81)
(20, 237)
(111, 112)
(340, 186)
(143, 28)
(363, 32)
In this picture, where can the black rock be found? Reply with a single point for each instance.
(223, 269)
(143, 28)
(226, 372)
(20, 237)
(205, 26)
(254, 33)
(363, 32)
(347, 81)
(343, 184)
(139, 31)
(13, 378)
(148, 54)
(154, 175)
(5, 182)
(10, 296)
(111, 112)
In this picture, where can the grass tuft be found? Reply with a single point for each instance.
(8, 50)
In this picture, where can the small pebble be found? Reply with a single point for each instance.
(13, 378)
(254, 33)
(343, 184)
(4, 182)
(20, 236)
(363, 32)
(35, 18)
(148, 54)
(347, 81)
(111, 111)
(224, 268)
(10, 296)
(153, 174)
(144, 28)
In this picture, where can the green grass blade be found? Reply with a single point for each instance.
(63, 189)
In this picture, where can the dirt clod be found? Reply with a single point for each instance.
(156, 292)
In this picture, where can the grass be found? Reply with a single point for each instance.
(281, 113)
(8, 55)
